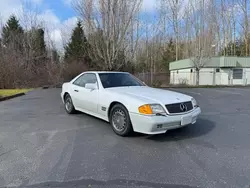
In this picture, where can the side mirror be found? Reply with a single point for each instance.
(91, 86)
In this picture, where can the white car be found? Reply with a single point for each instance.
(128, 104)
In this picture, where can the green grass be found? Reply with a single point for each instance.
(9, 92)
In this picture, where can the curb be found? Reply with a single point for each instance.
(45, 87)
(52, 86)
(11, 96)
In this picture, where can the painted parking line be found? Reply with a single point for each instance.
(237, 89)
(196, 93)
(225, 91)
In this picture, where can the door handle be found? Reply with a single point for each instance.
(76, 90)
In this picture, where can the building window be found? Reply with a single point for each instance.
(237, 73)
(191, 70)
(217, 70)
(177, 71)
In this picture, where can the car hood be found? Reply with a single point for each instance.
(152, 95)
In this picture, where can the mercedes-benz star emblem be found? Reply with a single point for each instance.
(183, 107)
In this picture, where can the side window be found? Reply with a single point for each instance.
(88, 78)
(78, 80)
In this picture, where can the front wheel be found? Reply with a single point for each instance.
(120, 120)
(68, 104)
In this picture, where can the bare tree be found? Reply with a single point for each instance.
(173, 11)
(202, 46)
(108, 23)
(232, 22)
(24, 62)
(244, 7)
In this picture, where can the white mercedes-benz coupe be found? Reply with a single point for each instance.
(127, 103)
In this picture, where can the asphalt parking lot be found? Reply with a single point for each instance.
(42, 146)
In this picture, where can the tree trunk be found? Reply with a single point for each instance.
(223, 27)
(234, 43)
(197, 77)
(176, 32)
(234, 31)
(246, 25)
(176, 48)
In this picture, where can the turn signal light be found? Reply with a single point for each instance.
(145, 109)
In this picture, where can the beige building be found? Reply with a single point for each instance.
(216, 71)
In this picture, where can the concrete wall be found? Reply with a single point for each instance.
(225, 74)
(183, 76)
(247, 77)
(238, 82)
(227, 77)
(209, 76)
(188, 76)
(218, 79)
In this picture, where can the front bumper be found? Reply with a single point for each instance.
(161, 124)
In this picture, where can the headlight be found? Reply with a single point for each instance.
(150, 109)
(194, 102)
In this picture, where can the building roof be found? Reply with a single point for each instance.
(214, 62)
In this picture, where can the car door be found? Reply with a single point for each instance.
(85, 99)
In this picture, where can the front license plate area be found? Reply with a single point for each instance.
(185, 120)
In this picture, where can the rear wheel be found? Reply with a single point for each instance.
(120, 120)
(68, 104)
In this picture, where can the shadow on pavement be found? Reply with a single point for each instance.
(81, 183)
(200, 128)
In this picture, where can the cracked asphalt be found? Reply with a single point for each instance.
(42, 146)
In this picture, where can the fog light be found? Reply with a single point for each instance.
(159, 126)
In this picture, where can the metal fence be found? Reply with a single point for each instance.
(160, 79)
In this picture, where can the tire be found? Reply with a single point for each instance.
(68, 105)
(120, 120)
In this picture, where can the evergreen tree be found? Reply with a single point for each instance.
(12, 33)
(77, 48)
(239, 47)
(55, 56)
(37, 42)
(168, 55)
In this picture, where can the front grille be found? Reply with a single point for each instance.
(178, 107)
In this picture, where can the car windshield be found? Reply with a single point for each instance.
(119, 80)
